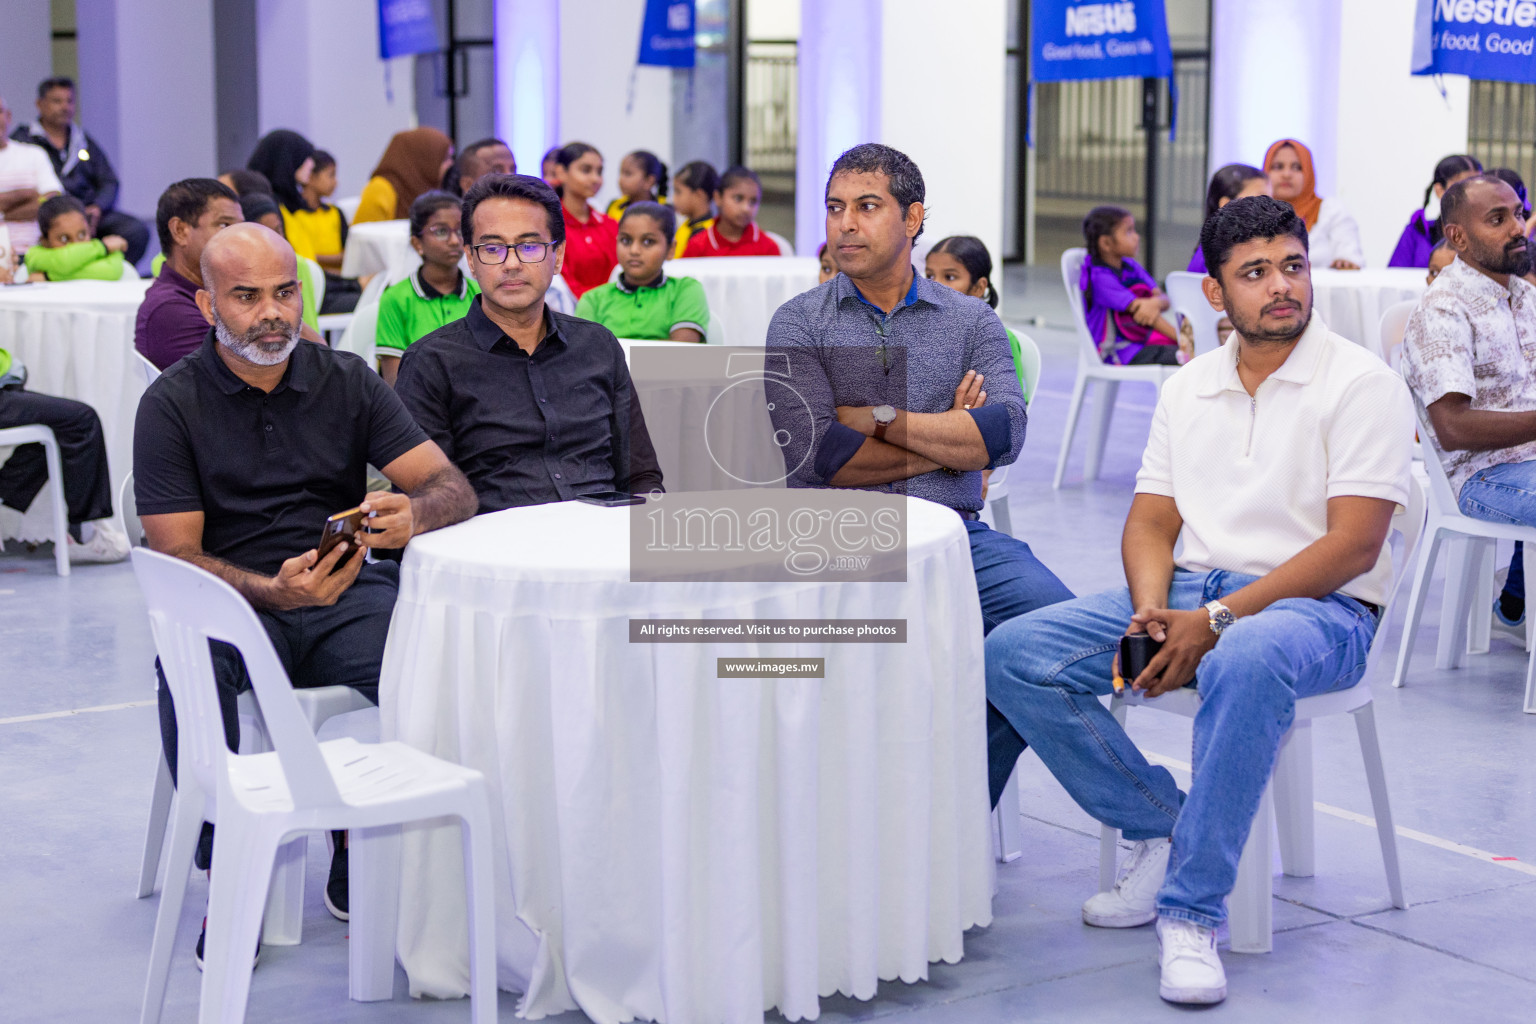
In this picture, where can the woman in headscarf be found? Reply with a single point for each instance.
(287, 159)
(1333, 237)
(414, 162)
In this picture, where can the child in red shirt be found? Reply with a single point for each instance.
(735, 231)
(591, 238)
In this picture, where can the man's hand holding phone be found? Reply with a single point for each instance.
(389, 523)
(308, 581)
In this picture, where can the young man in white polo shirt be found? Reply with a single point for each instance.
(1254, 551)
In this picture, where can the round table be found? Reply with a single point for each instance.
(377, 246)
(744, 291)
(76, 339)
(673, 846)
(1351, 301)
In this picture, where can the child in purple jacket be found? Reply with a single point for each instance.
(1121, 302)
(1421, 235)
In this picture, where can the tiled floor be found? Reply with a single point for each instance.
(74, 943)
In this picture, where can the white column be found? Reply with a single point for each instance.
(25, 56)
(146, 73)
(320, 75)
(527, 35)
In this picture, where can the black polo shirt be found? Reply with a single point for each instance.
(264, 469)
(527, 430)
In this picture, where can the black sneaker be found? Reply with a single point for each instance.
(202, 936)
(336, 885)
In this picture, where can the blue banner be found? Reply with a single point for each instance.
(666, 34)
(1493, 40)
(1120, 39)
(406, 27)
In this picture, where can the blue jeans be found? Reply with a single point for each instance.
(1010, 581)
(1505, 493)
(1046, 672)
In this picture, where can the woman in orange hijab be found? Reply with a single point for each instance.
(414, 162)
(1333, 237)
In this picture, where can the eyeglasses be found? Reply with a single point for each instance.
(442, 233)
(494, 253)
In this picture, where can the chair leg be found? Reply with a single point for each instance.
(1429, 547)
(373, 895)
(1073, 411)
(186, 826)
(242, 860)
(283, 924)
(1459, 572)
(1098, 437)
(479, 880)
(1251, 903)
(1381, 807)
(1292, 783)
(154, 831)
(1479, 614)
(1007, 818)
(60, 509)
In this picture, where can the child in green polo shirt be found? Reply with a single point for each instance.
(66, 251)
(645, 303)
(437, 294)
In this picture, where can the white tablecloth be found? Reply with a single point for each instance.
(76, 339)
(744, 291)
(1351, 301)
(378, 245)
(669, 845)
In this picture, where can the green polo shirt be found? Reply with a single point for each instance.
(410, 310)
(648, 312)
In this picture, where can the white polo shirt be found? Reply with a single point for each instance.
(1252, 475)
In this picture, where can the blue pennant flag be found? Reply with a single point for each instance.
(1492, 40)
(406, 27)
(666, 34)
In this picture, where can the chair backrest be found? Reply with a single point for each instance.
(1406, 533)
(785, 249)
(317, 279)
(1186, 294)
(1029, 359)
(1071, 272)
(151, 371)
(1394, 324)
(189, 607)
(128, 509)
(348, 206)
(359, 336)
(1442, 498)
(560, 298)
(718, 333)
(130, 272)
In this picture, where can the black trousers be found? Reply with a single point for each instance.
(82, 450)
(342, 645)
(128, 227)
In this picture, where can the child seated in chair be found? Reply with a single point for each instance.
(1122, 303)
(66, 251)
(644, 301)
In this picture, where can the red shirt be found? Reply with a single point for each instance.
(754, 242)
(591, 250)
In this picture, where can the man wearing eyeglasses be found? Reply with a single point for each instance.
(533, 405)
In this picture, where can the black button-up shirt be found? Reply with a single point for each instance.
(265, 469)
(530, 429)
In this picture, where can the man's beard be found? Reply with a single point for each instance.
(1252, 332)
(248, 347)
(1514, 258)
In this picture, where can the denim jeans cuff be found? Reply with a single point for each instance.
(1144, 835)
(1185, 914)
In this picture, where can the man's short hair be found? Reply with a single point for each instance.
(47, 85)
(460, 165)
(513, 186)
(1453, 205)
(187, 200)
(906, 181)
(1243, 220)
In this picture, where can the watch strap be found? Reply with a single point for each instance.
(880, 429)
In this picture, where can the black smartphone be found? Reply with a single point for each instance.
(1136, 651)
(612, 499)
(339, 527)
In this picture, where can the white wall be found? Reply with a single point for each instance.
(147, 68)
(773, 19)
(599, 41)
(26, 55)
(320, 75)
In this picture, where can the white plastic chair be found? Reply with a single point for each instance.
(149, 369)
(36, 433)
(997, 487)
(1466, 597)
(785, 249)
(260, 799)
(1092, 368)
(1394, 324)
(1287, 800)
(1186, 296)
(359, 335)
(348, 206)
(130, 272)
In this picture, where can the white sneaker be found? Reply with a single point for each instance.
(1192, 971)
(1133, 900)
(106, 545)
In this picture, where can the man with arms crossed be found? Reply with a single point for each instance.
(240, 453)
(533, 405)
(1467, 354)
(1254, 551)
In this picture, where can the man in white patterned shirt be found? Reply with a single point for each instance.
(1470, 355)
(26, 179)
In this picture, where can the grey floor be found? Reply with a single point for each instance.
(77, 739)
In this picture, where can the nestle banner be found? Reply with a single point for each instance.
(1493, 40)
(406, 27)
(1120, 39)
(666, 34)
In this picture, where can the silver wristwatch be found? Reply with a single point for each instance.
(884, 416)
(1221, 617)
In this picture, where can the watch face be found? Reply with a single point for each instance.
(884, 413)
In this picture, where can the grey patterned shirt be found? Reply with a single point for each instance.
(1471, 336)
(843, 351)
